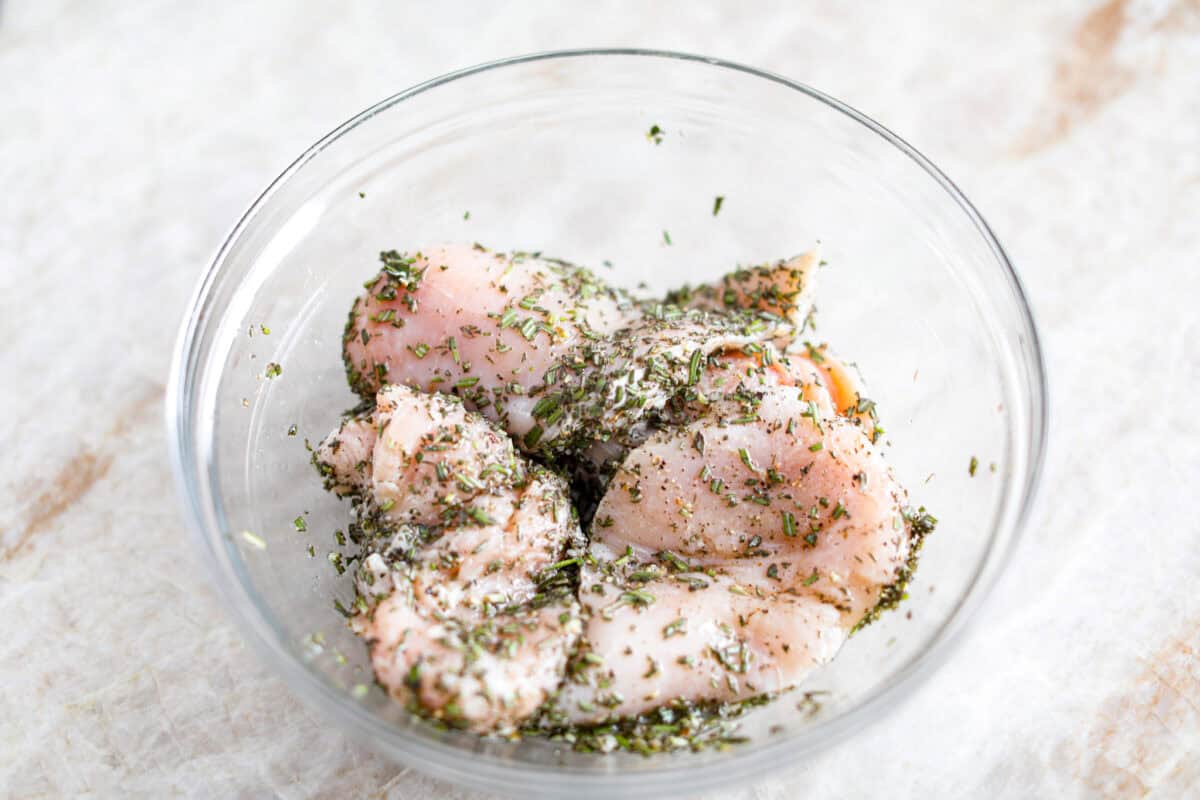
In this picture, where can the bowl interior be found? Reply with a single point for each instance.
(552, 154)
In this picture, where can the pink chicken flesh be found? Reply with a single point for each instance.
(459, 625)
(486, 326)
(774, 534)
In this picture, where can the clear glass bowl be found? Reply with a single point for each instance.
(550, 152)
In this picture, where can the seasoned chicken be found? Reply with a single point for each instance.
(461, 620)
(785, 525)
(623, 381)
(782, 289)
(690, 636)
(482, 325)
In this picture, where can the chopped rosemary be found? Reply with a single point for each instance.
(676, 628)
(694, 367)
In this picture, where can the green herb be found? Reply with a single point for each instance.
(480, 516)
(508, 318)
(744, 455)
(274, 370)
(655, 134)
(676, 628)
(811, 579)
(675, 562)
(291, 431)
(667, 237)
(534, 436)
(545, 407)
(637, 597)
(974, 465)
(465, 383)
(300, 524)
(694, 367)
(718, 201)
(265, 330)
(816, 447)
(420, 349)
(839, 510)
(466, 215)
(789, 523)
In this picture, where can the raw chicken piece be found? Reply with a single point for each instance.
(418, 458)
(471, 670)
(784, 487)
(734, 380)
(655, 642)
(461, 620)
(483, 325)
(620, 383)
(783, 513)
(782, 289)
(737, 375)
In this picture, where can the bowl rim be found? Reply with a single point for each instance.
(489, 774)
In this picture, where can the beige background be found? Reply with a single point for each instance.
(133, 134)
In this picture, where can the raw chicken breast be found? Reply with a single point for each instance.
(418, 458)
(483, 325)
(624, 381)
(783, 524)
(735, 379)
(782, 289)
(781, 486)
(464, 617)
(664, 640)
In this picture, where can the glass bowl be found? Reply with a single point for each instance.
(552, 152)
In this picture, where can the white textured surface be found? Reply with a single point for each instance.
(131, 136)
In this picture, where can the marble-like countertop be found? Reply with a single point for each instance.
(133, 134)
